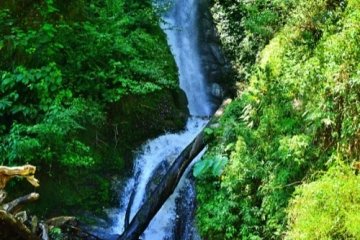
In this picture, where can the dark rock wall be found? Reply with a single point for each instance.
(135, 119)
(217, 67)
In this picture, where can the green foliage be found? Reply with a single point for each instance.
(327, 208)
(299, 108)
(26, 93)
(55, 233)
(293, 149)
(63, 68)
(52, 139)
(110, 67)
(246, 27)
(213, 165)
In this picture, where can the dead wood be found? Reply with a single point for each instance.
(11, 228)
(168, 184)
(44, 231)
(13, 206)
(3, 195)
(27, 171)
(60, 221)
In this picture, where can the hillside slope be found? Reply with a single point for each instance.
(284, 162)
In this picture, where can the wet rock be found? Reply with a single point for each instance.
(217, 90)
(185, 212)
(155, 113)
(215, 50)
(215, 64)
(158, 174)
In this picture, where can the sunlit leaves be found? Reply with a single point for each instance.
(293, 149)
(299, 109)
(213, 165)
(51, 139)
(327, 207)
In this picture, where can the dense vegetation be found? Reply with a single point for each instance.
(84, 82)
(79, 81)
(284, 162)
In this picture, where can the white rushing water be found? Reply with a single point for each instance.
(155, 152)
(182, 34)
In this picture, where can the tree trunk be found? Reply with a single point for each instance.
(13, 229)
(168, 184)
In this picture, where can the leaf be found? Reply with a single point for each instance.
(218, 165)
(327, 121)
(4, 103)
(208, 131)
(200, 168)
(229, 147)
(213, 165)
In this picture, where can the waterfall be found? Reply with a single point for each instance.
(181, 29)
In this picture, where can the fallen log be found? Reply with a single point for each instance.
(60, 221)
(12, 206)
(128, 209)
(168, 184)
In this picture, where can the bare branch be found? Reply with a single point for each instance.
(3, 195)
(15, 204)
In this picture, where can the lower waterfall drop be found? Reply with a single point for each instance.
(182, 33)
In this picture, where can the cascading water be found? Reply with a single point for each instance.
(182, 33)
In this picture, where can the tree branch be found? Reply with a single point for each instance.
(27, 171)
(15, 204)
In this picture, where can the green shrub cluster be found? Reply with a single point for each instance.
(245, 27)
(63, 66)
(327, 207)
(298, 110)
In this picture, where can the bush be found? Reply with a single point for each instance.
(63, 66)
(299, 108)
(328, 207)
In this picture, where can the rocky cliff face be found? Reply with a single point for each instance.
(217, 67)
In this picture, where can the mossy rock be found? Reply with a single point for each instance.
(138, 118)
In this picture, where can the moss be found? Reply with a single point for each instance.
(137, 118)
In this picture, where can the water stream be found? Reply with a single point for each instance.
(181, 29)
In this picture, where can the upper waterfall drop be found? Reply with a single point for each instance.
(182, 32)
(181, 27)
